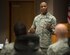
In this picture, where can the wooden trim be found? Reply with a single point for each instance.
(21, 0)
(9, 21)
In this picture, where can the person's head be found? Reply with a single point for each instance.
(20, 29)
(43, 7)
(61, 31)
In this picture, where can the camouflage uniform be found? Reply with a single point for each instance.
(8, 49)
(58, 48)
(40, 23)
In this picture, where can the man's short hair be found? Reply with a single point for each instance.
(20, 29)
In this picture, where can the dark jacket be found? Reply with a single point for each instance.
(29, 45)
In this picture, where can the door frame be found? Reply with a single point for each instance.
(10, 21)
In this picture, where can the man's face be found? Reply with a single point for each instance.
(43, 8)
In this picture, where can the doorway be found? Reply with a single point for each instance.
(21, 11)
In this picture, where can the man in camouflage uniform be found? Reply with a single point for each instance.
(61, 46)
(43, 25)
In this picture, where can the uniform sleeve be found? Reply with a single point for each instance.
(54, 22)
(50, 51)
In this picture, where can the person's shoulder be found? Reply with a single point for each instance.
(37, 16)
(58, 46)
(54, 46)
(9, 46)
(7, 49)
(50, 15)
(33, 36)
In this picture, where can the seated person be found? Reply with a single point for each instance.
(61, 46)
(23, 44)
(68, 51)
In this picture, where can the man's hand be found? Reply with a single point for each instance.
(31, 30)
(49, 26)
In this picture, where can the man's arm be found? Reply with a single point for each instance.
(31, 30)
(33, 27)
(53, 24)
(53, 21)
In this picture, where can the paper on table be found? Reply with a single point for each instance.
(1, 46)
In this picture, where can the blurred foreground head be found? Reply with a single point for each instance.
(61, 31)
(20, 29)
